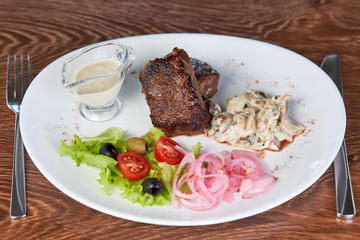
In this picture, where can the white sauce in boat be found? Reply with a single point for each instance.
(102, 90)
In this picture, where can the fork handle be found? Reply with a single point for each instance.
(18, 194)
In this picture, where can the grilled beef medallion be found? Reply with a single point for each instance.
(173, 95)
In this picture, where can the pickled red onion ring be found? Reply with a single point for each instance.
(259, 185)
(224, 173)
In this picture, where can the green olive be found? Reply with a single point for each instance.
(136, 145)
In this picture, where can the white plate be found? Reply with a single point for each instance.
(49, 114)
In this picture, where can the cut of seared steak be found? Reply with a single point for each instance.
(172, 93)
(207, 78)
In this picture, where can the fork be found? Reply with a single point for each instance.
(14, 95)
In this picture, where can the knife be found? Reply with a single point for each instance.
(345, 205)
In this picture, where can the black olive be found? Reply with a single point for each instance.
(108, 149)
(152, 186)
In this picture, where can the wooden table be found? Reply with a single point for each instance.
(47, 29)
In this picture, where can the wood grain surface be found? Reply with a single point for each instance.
(47, 29)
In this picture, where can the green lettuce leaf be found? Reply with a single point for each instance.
(111, 135)
(196, 149)
(152, 136)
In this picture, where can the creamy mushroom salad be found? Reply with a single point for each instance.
(253, 120)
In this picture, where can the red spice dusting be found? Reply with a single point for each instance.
(275, 169)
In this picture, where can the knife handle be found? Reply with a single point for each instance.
(345, 205)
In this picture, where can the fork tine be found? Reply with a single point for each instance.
(16, 78)
(29, 70)
(8, 84)
(23, 84)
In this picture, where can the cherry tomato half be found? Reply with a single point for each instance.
(165, 151)
(132, 165)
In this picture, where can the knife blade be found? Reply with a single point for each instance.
(345, 205)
